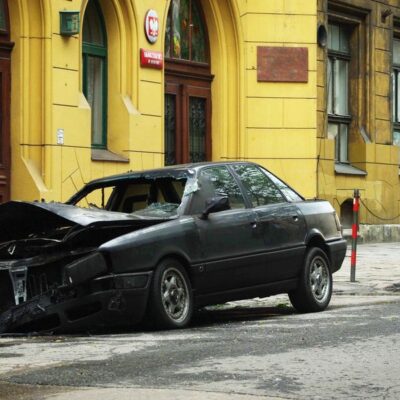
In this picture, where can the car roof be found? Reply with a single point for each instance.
(171, 169)
(178, 171)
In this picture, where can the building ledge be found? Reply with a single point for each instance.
(347, 169)
(106, 155)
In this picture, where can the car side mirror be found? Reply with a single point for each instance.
(215, 204)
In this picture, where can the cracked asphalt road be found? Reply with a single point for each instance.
(349, 351)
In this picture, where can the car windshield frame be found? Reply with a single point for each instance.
(119, 181)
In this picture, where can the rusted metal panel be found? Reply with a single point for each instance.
(282, 64)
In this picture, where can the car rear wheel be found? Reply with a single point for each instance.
(171, 298)
(314, 290)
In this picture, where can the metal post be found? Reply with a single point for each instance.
(354, 235)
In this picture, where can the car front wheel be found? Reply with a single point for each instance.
(314, 290)
(171, 298)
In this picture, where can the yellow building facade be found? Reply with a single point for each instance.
(240, 79)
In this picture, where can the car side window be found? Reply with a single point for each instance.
(289, 193)
(260, 189)
(223, 183)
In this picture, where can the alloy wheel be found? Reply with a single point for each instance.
(174, 294)
(319, 279)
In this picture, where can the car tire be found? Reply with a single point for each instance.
(314, 289)
(171, 297)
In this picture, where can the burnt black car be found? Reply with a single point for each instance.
(161, 244)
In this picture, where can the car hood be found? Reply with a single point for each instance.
(20, 219)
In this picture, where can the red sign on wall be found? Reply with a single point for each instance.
(151, 59)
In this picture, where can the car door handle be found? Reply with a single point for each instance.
(295, 218)
(253, 224)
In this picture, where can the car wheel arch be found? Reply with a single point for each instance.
(317, 240)
(182, 259)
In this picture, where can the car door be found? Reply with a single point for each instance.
(281, 223)
(230, 241)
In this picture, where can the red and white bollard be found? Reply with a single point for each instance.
(354, 235)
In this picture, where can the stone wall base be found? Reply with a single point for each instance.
(375, 233)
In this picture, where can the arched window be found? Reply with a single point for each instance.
(186, 33)
(187, 85)
(94, 56)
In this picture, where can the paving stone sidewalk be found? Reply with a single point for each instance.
(377, 271)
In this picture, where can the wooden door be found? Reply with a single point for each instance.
(187, 121)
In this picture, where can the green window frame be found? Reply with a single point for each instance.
(95, 81)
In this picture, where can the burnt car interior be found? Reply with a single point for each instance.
(135, 195)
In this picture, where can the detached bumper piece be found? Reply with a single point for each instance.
(81, 305)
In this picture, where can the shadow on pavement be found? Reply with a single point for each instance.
(201, 318)
(214, 316)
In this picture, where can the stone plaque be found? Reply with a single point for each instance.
(282, 64)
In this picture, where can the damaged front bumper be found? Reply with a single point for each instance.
(110, 300)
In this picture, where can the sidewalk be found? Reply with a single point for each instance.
(377, 271)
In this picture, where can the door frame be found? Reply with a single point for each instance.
(6, 47)
(185, 79)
